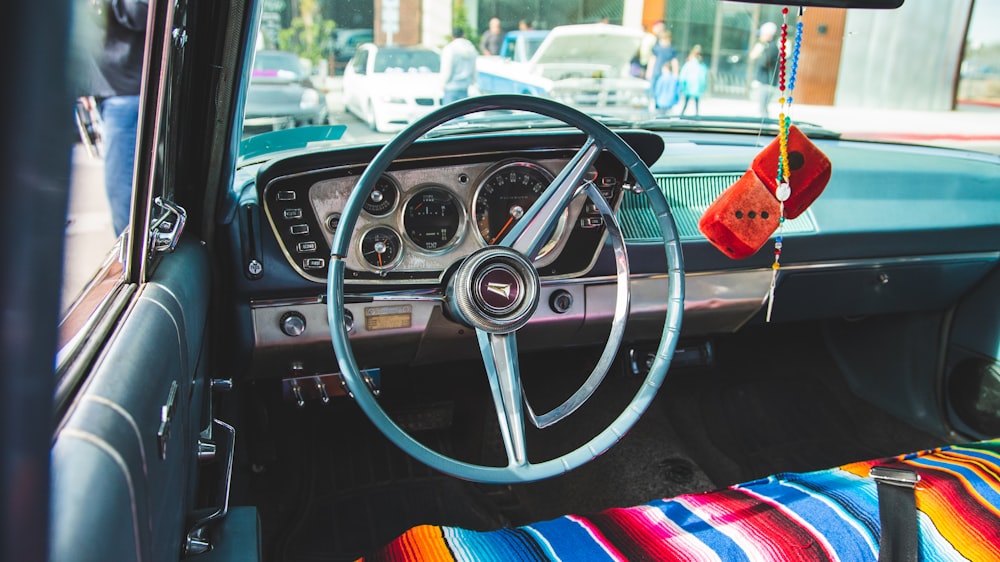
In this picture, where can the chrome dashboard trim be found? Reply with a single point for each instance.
(716, 302)
(471, 155)
(896, 261)
(278, 303)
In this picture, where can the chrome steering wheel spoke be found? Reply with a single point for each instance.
(499, 353)
(535, 228)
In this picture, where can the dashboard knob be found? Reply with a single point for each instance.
(348, 321)
(293, 324)
(561, 301)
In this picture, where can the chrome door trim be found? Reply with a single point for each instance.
(74, 360)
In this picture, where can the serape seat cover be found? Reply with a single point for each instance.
(825, 515)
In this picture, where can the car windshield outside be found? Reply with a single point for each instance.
(860, 74)
(406, 60)
(280, 65)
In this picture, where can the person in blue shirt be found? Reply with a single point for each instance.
(665, 90)
(693, 79)
(663, 53)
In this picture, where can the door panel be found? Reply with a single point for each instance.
(119, 490)
(971, 384)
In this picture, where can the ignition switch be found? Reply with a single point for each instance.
(561, 301)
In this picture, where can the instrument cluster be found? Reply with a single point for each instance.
(418, 220)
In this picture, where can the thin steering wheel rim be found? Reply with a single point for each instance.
(350, 371)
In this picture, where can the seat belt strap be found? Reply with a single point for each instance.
(897, 513)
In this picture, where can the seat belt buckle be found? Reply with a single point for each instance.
(894, 476)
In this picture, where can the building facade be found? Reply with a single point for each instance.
(918, 74)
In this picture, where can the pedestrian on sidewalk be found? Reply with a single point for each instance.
(663, 56)
(492, 39)
(764, 58)
(665, 90)
(113, 68)
(458, 67)
(693, 79)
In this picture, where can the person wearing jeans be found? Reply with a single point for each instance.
(120, 115)
(112, 74)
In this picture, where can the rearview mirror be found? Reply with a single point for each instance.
(865, 4)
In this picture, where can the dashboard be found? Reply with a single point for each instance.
(898, 229)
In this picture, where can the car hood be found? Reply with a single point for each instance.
(596, 43)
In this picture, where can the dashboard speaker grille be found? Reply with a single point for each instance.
(689, 195)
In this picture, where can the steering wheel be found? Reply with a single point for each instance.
(496, 289)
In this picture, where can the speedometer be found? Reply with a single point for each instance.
(504, 196)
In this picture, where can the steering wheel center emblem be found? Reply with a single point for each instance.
(499, 288)
(495, 289)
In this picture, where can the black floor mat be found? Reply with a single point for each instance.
(766, 409)
(345, 524)
(336, 488)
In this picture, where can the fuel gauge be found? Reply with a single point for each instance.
(380, 248)
(382, 198)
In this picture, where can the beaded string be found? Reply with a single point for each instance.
(786, 84)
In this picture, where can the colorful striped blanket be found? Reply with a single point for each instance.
(825, 515)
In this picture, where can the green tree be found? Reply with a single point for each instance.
(460, 19)
(309, 36)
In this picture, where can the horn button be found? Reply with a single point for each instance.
(498, 289)
(495, 289)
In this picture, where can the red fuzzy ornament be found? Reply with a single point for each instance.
(742, 219)
(809, 170)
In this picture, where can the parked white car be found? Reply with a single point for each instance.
(389, 87)
(586, 66)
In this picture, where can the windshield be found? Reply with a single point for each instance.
(406, 60)
(683, 65)
(277, 64)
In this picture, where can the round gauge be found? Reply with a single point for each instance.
(382, 198)
(431, 218)
(380, 247)
(504, 196)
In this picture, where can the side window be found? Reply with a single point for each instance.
(361, 62)
(106, 116)
(507, 50)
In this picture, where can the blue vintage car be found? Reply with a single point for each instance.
(585, 66)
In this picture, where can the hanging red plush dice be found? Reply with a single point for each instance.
(809, 171)
(742, 219)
